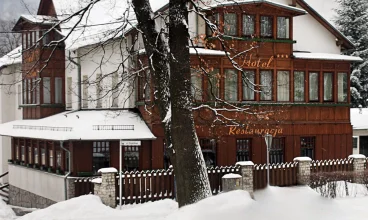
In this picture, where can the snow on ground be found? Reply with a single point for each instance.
(289, 203)
(6, 213)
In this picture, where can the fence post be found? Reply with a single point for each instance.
(246, 171)
(105, 187)
(304, 164)
(231, 182)
(358, 166)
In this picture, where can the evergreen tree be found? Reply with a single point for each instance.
(352, 21)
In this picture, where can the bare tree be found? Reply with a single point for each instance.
(8, 39)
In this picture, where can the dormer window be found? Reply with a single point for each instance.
(283, 24)
(266, 26)
(230, 24)
(248, 25)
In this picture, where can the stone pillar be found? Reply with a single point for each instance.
(105, 187)
(304, 164)
(70, 187)
(359, 161)
(246, 171)
(231, 182)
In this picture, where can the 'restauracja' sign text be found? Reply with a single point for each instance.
(255, 131)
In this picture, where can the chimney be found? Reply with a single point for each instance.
(293, 3)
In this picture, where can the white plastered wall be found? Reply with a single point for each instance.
(96, 60)
(9, 109)
(50, 186)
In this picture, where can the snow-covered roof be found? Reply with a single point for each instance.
(82, 125)
(238, 2)
(40, 19)
(104, 20)
(325, 56)
(197, 51)
(359, 120)
(13, 57)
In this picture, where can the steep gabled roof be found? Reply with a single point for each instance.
(346, 43)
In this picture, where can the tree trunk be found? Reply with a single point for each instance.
(174, 89)
(189, 166)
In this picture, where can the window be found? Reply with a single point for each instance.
(299, 90)
(231, 85)
(28, 39)
(46, 90)
(58, 159)
(355, 142)
(277, 150)
(196, 87)
(29, 154)
(17, 152)
(58, 90)
(327, 87)
(243, 149)
(24, 91)
(213, 85)
(45, 38)
(266, 26)
(313, 87)
(283, 86)
(115, 89)
(24, 41)
(131, 158)
(283, 27)
(69, 81)
(342, 87)
(29, 91)
(266, 85)
(99, 90)
(43, 156)
(101, 155)
(230, 24)
(208, 147)
(19, 95)
(22, 153)
(307, 145)
(214, 20)
(248, 25)
(147, 86)
(248, 85)
(51, 158)
(36, 38)
(85, 91)
(35, 150)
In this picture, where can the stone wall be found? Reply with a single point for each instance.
(20, 197)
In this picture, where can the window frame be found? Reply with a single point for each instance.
(250, 87)
(332, 87)
(134, 152)
(104, 148)
(287, 30)
(262, 86)
(309, 86)
(236, 24)
(215, 20)
(216, 77)
(306, 145)
(254, 25)
(288, 86)
(342, 89)
(209, 148)
(244, 149)
(197, 93)
(303, 83)
(272, 26)
(235, 74)
(278, 145)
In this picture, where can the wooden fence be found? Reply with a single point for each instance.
(326, 166)
(83, 185)
(143, 186)
(280, 175)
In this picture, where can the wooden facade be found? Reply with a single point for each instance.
(309, 125)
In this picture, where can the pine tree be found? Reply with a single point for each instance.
(352, 21)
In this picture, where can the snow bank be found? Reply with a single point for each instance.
(6, 213)
(290, 203)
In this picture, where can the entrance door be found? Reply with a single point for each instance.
(363, 145)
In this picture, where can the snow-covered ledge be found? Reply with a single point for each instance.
(357, 156)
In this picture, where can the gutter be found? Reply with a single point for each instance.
(79, 81)
(69, 171)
